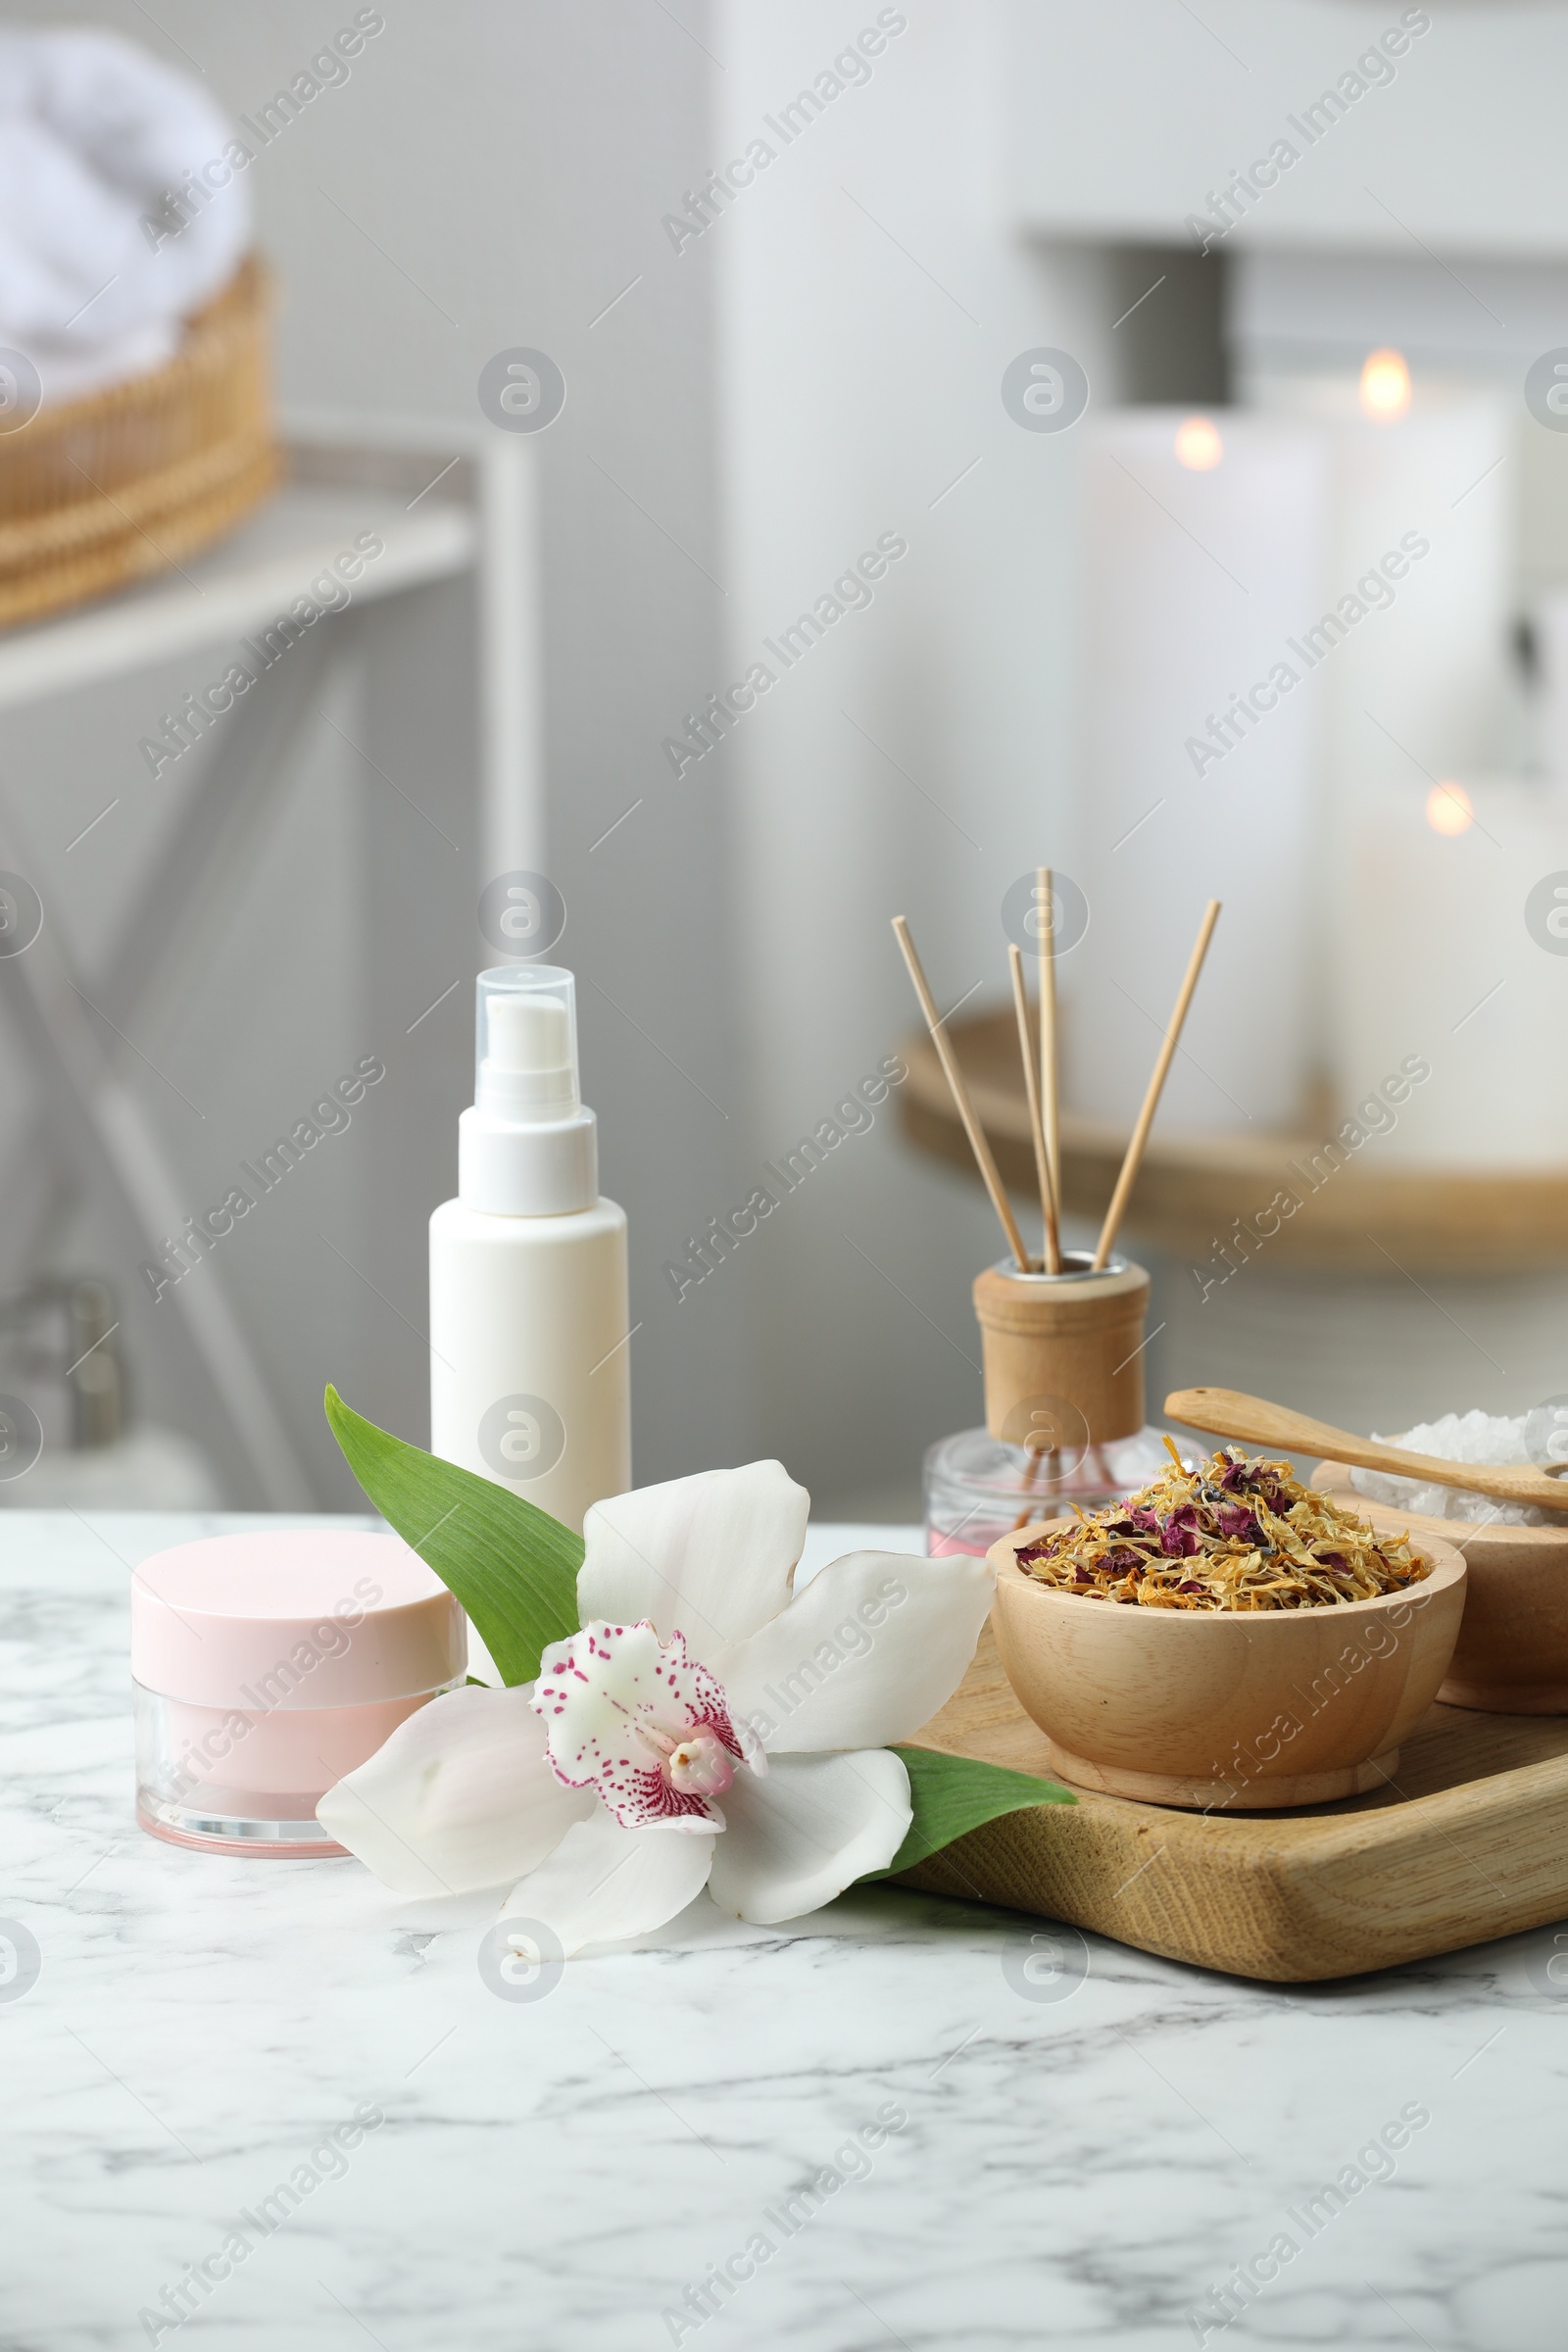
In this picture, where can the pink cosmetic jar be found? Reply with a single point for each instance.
(267, 1666)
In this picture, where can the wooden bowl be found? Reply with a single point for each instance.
(1224, 1710)
(1512, 1653)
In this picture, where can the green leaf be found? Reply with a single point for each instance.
(513, 1568)
(953, 1794)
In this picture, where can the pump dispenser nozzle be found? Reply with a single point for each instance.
(527, 1147)
(527, 1065)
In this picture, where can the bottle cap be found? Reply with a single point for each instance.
(529, 1146)
(1063, 1354)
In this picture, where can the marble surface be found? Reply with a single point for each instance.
(1091, 2140)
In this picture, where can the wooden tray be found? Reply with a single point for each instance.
(1470, 1844)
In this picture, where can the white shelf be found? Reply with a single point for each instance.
(454, 516)
(241, 585)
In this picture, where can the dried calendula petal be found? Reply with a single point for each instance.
(1232, 1534)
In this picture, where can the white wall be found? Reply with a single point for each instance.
(1124, 116)
(915, 761)
(821, 366)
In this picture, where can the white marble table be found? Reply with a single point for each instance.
(1082, 2157)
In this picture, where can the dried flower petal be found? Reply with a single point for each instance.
(1194, 1545)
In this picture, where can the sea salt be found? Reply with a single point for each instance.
(1458, 1438)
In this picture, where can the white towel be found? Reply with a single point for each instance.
(97, 269)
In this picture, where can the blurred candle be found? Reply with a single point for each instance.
(1415, 670)
(1201, 539)
(1451, 965)
(1410, 645)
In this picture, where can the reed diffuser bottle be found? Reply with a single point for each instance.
(1063, 1339)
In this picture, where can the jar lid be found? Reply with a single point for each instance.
(293, 1617)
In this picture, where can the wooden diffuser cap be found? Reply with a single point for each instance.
(1064, 1352)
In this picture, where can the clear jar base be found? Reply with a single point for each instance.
(236, 1834)
(978, 1490)
(247, 1780)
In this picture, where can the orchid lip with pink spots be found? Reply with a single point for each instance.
(643, 1724)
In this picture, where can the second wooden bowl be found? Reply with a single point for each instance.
(1228, 1710)
(1512, 1653)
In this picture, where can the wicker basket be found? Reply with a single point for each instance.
(125, 481)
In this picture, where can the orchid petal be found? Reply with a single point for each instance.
(816, 1825)
(710, 1554)
(461, 1796)
(863, 1656)
(603, 1883)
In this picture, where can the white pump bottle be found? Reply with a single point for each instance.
(529, 1372)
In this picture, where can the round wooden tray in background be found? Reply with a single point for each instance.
(120, 484)
(1192, 1186)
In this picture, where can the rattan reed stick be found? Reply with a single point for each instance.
(960, 1095)
(1146, 1117)
(1049, 1088)
(1026, 1048)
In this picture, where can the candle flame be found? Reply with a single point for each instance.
(1448, 808)
(1198, 445)
(1384, 386)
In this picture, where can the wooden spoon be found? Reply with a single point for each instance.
(1225, 1413)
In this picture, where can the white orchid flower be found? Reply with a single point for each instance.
(703, 1728)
